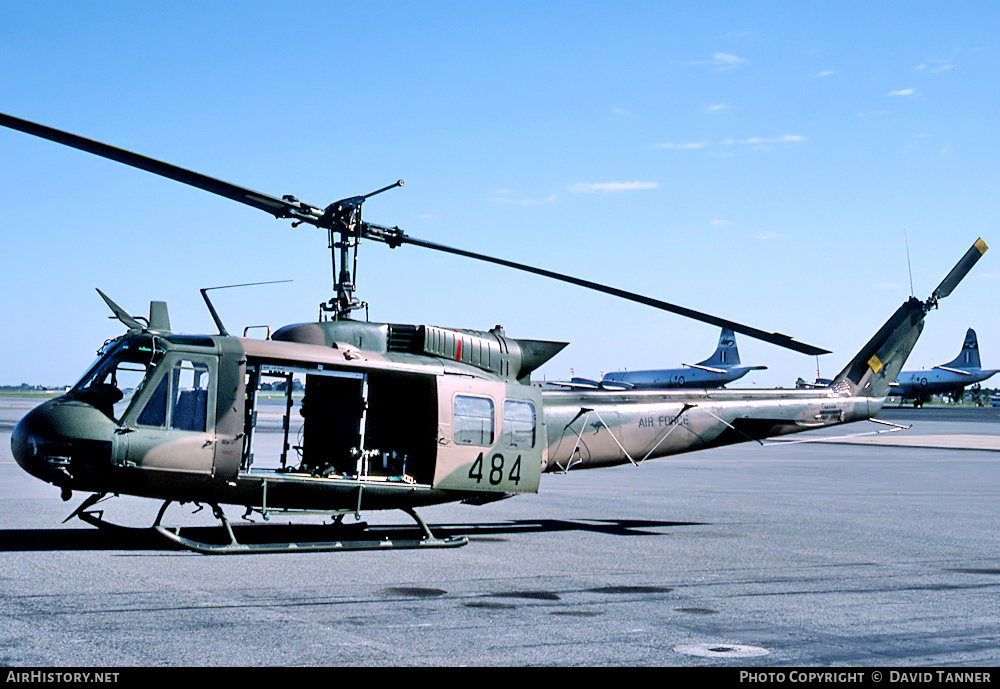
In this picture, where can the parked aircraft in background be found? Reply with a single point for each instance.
(714, 372)
(950, 379)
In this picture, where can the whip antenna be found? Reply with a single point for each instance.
(909, 267)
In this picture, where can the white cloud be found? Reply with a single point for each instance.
(938, 67)
(727, 61)
(717, 108)
(721, 223)
(786, 139)
(755, 140)
(820, 75)
(609, 187)
(902, 92)
(723, 61)
(622, 111)
(683, 146)
(769, 236)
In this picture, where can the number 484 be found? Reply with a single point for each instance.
(495, 472)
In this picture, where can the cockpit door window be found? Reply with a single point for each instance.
(155, 412)
(189, 402)
(180, 401)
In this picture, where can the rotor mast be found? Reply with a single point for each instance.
(345, 230)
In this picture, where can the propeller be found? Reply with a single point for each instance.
(343, 218)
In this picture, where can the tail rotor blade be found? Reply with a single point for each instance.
(960, 270)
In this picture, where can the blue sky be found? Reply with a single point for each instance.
(764, 162)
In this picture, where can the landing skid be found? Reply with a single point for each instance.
(234, 547)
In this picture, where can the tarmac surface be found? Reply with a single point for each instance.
(871, 551)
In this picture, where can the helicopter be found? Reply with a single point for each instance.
(389, 416)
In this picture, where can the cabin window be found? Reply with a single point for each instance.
(473, 419)
(518, 424)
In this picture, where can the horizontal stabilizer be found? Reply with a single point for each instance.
(710, 369)
(954, 370)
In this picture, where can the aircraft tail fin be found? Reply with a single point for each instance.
(969, 356)
(876, 366)
(726, 353)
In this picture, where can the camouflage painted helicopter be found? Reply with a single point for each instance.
(393, 417)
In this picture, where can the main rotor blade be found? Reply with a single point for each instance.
(960, 270)
(774, 338)
(278, 207)
(292, 208)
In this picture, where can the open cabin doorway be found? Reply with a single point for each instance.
(372, 425)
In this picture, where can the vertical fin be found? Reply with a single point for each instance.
(969, 356)
(726, 354)
(876, 366)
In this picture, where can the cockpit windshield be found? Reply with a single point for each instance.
(113, 380)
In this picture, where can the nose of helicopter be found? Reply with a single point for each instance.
(24, 441)
(59, 440)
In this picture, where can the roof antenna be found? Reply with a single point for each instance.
(215, 315)
(909, 267)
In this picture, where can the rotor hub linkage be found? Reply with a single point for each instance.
(343, 218)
